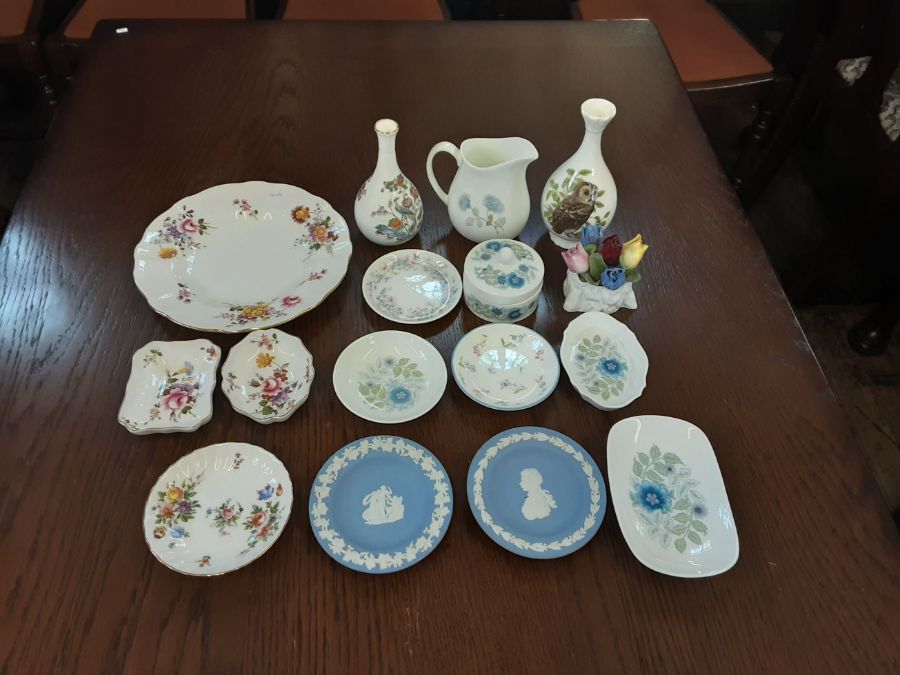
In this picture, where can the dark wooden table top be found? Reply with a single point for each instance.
(167, 110)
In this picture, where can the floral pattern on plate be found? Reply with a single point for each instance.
(225, 515)
(666, 499)
(505, 367)
(412, 286)
(245, 209)
(180, 233)
(320, 232)
(600, 366)
(176, 506)
(391, 383)
(264, 520)
(403, 211)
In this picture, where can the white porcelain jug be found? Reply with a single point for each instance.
(581, 191)
(488, 198)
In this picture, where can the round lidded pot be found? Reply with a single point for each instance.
(502, 280)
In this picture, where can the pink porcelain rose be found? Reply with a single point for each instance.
(188, 226)
(271, 386)
(176, 400)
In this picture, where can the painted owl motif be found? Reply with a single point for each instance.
(573, 211)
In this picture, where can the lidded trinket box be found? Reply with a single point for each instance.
(502, 280)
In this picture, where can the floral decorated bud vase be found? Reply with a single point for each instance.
(584, 297)
(388, 206)
(581, 191)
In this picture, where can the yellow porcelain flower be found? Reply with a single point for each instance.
(264, 360)
(174, 494)
(258, 311)
(632, 252)
(300, 214)
(168, 252)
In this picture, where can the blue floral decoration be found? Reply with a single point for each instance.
(514, 280)
(400, 396)
(496, 311)
(524, 269)
(652, 497)
(699, 511)
(177, 533)
(487, 256)
(502, 280)
(612, 278)
(493, 245)
(609, 366)
(464, 202)
(491, 203)
(265, 493)
(515, 314)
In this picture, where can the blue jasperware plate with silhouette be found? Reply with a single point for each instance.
(536, 492)
(380, 504)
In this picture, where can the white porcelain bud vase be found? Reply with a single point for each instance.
(388, 206)
(581, 191)
(584, 297)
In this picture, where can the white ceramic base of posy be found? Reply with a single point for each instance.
(584, 297)
(670, 498)
(217, 509)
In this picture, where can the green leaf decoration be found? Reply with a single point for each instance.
(417, 373)
(643, 457)
(681, 505)
(397, 371)
(403, 361)
(682, 518)
(584, 172)
(699, 526)
(633, 276)
(659, 467)
(680, 545)
(570, 171)
(652, 475)
(597, 265)
(605, 395)
(672, 458)
(694, 537)
(636, 468)
(655, 453)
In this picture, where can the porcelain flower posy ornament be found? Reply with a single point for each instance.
(602, 271)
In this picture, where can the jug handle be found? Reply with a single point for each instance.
(450, 149)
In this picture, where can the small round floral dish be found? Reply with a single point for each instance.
(380, 504)
(217, 509)
(505, 367)
(536, 492)
(604, 360)
(502, 280)
(390, 376)
(242, 256)
(268, 375)
(412, 286)
(170, 387)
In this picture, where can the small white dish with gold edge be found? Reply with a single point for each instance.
(268, 375)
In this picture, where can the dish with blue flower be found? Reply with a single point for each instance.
(380, 504)
(670, 498)
(505, 367)
(217, 509)
(389, 377)
(536, 492)
(604, 360)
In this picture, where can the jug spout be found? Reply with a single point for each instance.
(496, 153)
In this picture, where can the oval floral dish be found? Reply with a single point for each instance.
(241, 256)
(670, 498)
(536, 492)
(604, 360)
(217, 509)
(170, 387)
(390, 376)
(412, 286)
(505, 367)
(380, 504)
(267, 375)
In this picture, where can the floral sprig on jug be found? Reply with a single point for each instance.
(601, 271)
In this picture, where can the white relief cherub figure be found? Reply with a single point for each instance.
(538, 502)
(383, 506)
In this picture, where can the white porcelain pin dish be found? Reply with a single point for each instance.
(218, 509)
(670, 498)
(389, 376)
(604, 360)
(412, 286)
(170, 387)
(505, 367)
(267, 375)
(242, 256)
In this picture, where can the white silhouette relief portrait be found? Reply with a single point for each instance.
(538, 502)
(382, 506)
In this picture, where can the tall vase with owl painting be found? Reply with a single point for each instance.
(388, 206)
(581, 191)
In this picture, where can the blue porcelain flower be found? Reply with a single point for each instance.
(652, 497)
(699, 511)
(612, 278)
(515, 314)
(491, 203)
(464, 202)
(177, 533)
(265, 493)
(591, 234)
(515, 280)
(494, 245)
(612, 367)
(400, 396)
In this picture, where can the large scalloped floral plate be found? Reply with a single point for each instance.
(218, 509)
(380, 504)
(241, 256)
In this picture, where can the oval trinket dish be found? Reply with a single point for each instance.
(502, 280)
(268, 375)
(412, 286)
(389, 377)
(217, 509)
(536, 492)
(505, 367)
(604, 360)
(380, 504)
(670, 498)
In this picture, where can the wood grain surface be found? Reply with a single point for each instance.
(169, 109)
